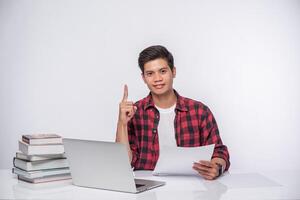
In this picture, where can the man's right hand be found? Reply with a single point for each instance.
(126, 108)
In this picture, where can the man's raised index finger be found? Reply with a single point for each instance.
(125, 95)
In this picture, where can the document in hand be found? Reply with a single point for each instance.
(179, 160)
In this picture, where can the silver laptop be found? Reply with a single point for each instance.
(103, 165)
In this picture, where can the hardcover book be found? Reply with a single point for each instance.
(40, 173)
(42, 139)
(24, 156)
(39, 165)
(41, 149)
(45, 179)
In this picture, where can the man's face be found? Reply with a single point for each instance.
(158, 76)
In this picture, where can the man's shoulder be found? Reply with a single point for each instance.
(141, 103)
(192, 104)
(189, 103)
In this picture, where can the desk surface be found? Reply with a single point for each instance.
(234, 185)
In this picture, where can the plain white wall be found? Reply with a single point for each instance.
(63, 65)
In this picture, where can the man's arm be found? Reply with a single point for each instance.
(122, 137)
(126, 112)
(220, 160)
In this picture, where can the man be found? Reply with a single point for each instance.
(164, 118)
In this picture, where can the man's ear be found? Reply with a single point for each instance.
(174, 72)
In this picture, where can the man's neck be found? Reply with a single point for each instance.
(166, 100)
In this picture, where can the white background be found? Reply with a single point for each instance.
(63, 65)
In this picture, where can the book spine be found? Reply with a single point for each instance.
(23, 147)
(25, 139)
(14, 161)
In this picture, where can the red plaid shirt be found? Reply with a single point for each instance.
(194, 126)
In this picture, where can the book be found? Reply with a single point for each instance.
(24, 156)
(41, 149)
(46, 178)
(39, 165)
(40, 173)
(42, 139)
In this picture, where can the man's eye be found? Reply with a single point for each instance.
(148, 74)
(163, 71)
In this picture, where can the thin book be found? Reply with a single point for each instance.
(36, 139)
(45, 179)
(40, 173)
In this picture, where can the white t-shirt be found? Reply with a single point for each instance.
(166, 130)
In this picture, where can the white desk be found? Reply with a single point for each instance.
(233, 185)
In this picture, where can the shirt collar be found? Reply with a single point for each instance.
(180, 104)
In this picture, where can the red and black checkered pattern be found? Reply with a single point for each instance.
(194, 126)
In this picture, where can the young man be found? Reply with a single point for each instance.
(164, 118)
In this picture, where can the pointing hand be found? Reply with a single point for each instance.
(126, 108)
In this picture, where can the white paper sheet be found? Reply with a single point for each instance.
(179, 160)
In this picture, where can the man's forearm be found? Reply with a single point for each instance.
(122, 137)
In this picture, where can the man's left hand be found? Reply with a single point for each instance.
(207, 169)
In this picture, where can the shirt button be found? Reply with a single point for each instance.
(154, 130)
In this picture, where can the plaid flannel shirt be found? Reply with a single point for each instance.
(194, 126)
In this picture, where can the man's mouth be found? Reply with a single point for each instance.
(159, 86)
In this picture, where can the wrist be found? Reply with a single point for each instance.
(121, 133)
(220, 161)
(220, 169)
(122, 124)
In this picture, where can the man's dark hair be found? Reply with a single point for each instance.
(155, 52)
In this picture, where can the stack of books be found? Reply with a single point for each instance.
(41, 159)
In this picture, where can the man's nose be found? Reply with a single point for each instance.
(157, 77)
